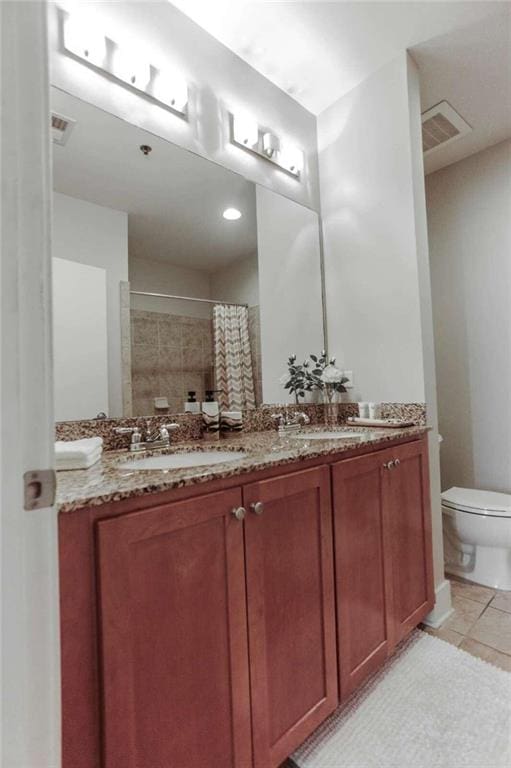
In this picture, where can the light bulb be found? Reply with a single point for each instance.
(171, 90)
(291, 158)
(231, 214)
(245, 130)
(131, 69)
(84, 41)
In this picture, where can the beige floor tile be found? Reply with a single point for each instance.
(472, 591)
(493, 628)
(454, 638)
(501, 660)
(502, 601)
(466, 613)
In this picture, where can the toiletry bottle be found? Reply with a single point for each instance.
(191, 405)
(210, 417)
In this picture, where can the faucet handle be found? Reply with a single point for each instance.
(166, 428)
(136, 436)
(126, 430)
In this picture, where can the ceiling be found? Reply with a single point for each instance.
(471, 69)
(174, 199)
(317, 51)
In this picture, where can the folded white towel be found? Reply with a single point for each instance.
(78, 449)
(78, 462)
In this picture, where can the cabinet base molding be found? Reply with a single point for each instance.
(443, 606)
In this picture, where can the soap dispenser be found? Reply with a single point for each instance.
(191, 405)
(210, 416)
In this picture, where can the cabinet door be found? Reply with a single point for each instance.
(173, 636)
(363, 582)
(408, 511)
(291, 613)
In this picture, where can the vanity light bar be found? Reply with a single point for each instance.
(248, 135)
(92, 47)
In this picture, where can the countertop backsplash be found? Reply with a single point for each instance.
(190, 425)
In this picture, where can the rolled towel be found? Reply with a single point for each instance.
(231, 421)
(78, 449)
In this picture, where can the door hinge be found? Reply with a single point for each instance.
(39, 486)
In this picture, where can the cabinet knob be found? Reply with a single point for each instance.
(389, 464)
(239, 512)
(397, 463)
(257, 507)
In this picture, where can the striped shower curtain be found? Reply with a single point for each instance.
(233, 359)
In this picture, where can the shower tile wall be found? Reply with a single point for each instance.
(170, 355)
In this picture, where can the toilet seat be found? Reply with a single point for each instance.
(486, 503)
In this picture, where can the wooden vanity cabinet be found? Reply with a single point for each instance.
(383, 556)
(363, 581)
(291, 614)
(173, 650)
(199, 638)
(410, 555)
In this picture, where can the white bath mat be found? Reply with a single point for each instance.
(431, 706)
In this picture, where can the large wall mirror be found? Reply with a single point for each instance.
(171, 274)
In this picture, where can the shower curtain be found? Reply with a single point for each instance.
(233, 358)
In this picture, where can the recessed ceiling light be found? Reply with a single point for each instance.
(231, 214)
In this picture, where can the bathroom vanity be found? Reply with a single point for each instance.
(216, 618)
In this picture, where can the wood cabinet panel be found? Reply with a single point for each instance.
(174, 654)
(291, 611)
(362, 578)
(408, 512)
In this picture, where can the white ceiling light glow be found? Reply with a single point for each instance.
(82, 39)
(291, 158)
(131, 69)
(171, 90)
(245, 130)
(231, 214)
(248, 135)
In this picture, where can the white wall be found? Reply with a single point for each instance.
(289, 287)
(378, 297)
(238, 282)
(469, 207)
(80, 340)
(220, 81)
(371, 272)
(157, 276)
(91, 234)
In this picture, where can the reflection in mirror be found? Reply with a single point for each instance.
(136, 216)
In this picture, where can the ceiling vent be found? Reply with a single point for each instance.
(61, 128)
(440, 125)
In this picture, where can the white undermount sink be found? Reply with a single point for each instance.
(183, 460)
(326, 435)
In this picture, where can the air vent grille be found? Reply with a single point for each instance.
(442, 124)
(61, 128)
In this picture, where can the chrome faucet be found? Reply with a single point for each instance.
(290, 422)
(158, 438)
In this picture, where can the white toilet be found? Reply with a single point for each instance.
(477, 536)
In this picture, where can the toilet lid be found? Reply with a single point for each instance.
(478, 502)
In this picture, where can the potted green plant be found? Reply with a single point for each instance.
(297, 380)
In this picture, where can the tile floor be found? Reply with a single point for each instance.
(480, 624)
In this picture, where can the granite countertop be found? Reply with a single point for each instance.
(107, 481)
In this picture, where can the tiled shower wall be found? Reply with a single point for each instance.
(170, 355)
(173, 354)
